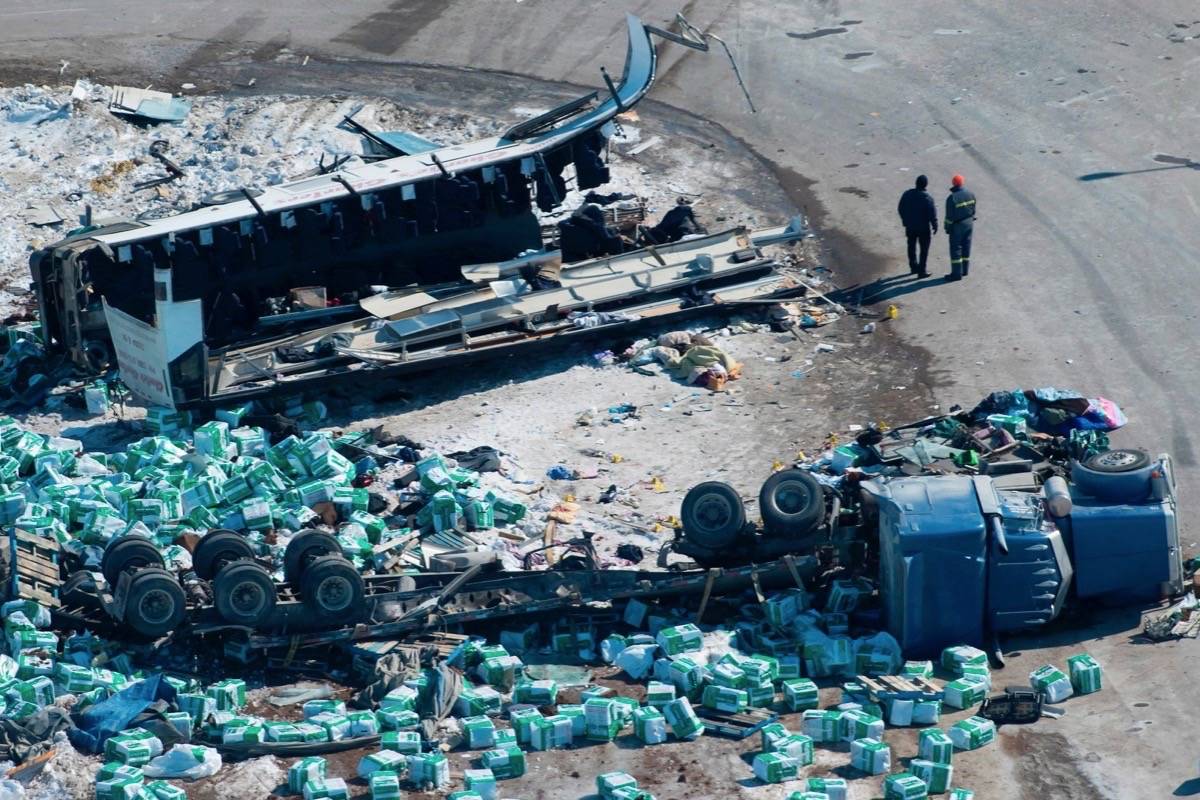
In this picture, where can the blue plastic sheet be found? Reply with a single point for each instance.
(97, 723)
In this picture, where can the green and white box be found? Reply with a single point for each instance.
(283, 732)
(904, 786)
(120, 787)
(801, 694)
(310, 768)
(870, 756)
(609, 782)
(404, 742)
(783, 607)
(936, 776)
(960, 793)
(229, 694)
(161, 790)
(336, 726)
(480, 732)
(505, 762)
(934, 745)
(730, 676)
(833, 788)
(522, 720)
(429, 769)
(402, 698)
(363, 723)
(775, 768)
(733, 701)
(822, 726)
(538, 693)
(680, 639)
(658, 694)
(965, 693)
(1051, 682)
(650, 725)
(954, 658)
(860, 725)
(900, 713)
(686, 674)
(1086, 675)
(385, 786)
(972, 733)
(312, 708)
(327, 789)
(917, 669)
(480, 781)
(797, 747)
(682, 719)
(926, 712)
(550, 733)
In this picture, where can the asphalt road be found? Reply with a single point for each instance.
(1073, 122)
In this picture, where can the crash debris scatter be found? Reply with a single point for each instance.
(229, 572)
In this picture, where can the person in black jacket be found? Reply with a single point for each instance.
(918, 213)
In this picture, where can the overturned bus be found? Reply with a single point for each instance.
(412, 219)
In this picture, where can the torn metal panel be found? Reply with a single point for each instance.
(147, 105)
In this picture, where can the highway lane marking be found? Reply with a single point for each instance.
(43, 11)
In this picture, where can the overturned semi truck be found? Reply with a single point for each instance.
(410, 219)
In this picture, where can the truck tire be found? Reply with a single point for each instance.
(332, 589)
(792, 504)
(218, 548)
(713, 515)
(245, 593)
(303, 549)
(129, 552)
(155, 603)
(1120, 476)
(1118, 461)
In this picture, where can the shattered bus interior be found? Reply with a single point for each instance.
(410, 219)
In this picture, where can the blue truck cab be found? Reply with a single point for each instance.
(961, 559)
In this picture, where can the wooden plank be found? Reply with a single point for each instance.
(36, 569)
(735, 725)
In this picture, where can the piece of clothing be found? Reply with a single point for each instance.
(960, 208)
(917, 262)
(960, 250)
(693, 364)
(917, 211)
(581, 238)
(680, 221)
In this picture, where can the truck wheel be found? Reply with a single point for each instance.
(245, 593)
(1121, 476)
(218, 548)
(332, 589)
(129, 552)
(303, 549)
(792, 503)
(1116, 461)
(155, 604)
(713, 515)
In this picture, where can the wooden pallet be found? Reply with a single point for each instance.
(35, 572)
(735, 725)
(896, 687)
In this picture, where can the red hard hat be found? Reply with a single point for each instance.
(957, 180)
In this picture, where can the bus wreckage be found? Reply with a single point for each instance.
(189, 306)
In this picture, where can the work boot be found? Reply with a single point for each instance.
(952, 277)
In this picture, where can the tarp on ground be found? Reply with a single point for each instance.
(1052, 410)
